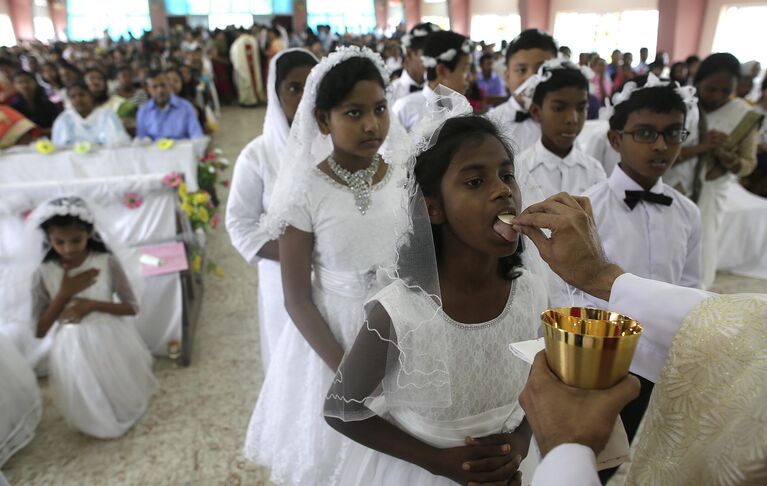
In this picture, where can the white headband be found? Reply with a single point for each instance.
(62, 206)
(447, 56)
(687, 93)
(526, 90)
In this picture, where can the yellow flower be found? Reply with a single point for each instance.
(216, 270)
(164, 143)
(82, 148)
(182, 189)
(44, 147)
(187, 208)
(201, 198)
(202, 215)
(197, 263)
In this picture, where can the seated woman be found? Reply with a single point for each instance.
(97, 85)
(86, 123)
(32, 102)
(15, 128)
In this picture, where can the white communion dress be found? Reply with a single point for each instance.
(20, 403)
(100, 369)
(485, 382)
(287, 432)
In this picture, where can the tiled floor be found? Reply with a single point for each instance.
(195, 427)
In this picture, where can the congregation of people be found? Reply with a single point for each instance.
(411, 207)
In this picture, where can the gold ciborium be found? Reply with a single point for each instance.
(589, 348)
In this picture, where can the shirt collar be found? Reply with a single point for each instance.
(620, 182)
(172, 102)
(553, 161)
(409, 80)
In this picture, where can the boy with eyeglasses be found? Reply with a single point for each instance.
(646, 226)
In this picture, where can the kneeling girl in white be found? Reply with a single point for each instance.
(100, 369)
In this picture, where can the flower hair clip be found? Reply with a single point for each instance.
(447, 56)
(526, 91)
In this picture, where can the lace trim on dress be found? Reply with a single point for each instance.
(480, 325)
(375, 187)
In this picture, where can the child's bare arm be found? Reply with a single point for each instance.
(296, 247)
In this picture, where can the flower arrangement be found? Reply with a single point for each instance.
(210, 168)
(202, 213)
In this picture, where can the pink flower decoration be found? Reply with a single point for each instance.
(132, 200)
(26, 214)
(214, 221)
(174, 179)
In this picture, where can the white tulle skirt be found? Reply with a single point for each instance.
(20, 403)
(101, 375)
(287, 432)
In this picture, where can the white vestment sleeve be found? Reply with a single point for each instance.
(567, 465)
(660, 308)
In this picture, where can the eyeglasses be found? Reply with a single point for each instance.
(672, 136)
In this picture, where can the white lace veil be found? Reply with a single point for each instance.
(306, 146)
(276, 128)
(399, 358)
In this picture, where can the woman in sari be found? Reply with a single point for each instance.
(15, 128)
(722, 142)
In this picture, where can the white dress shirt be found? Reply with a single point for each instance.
(401, 87)
(573, 174)
(522, 135)
(661, 308)
(410, 109)
(652, 240)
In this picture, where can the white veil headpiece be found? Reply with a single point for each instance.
(403, 361)
(276, 128)
(306, 146)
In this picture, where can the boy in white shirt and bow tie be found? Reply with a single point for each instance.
(646, 226)
(557, 98)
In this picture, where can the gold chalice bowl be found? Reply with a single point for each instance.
(589, 348)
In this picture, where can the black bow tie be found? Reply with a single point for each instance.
(414, 88)
(633, 198)
(521, 116)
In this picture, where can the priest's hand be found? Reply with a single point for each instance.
(573, 251)
(562, 414)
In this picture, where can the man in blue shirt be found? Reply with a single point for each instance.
(488, 80)
(166, 115)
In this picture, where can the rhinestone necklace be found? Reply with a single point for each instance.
(359, 182)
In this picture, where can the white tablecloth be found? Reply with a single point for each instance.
(27, 165)
(743, 236)
(159, 318)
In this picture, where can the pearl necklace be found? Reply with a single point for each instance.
(359, 182)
